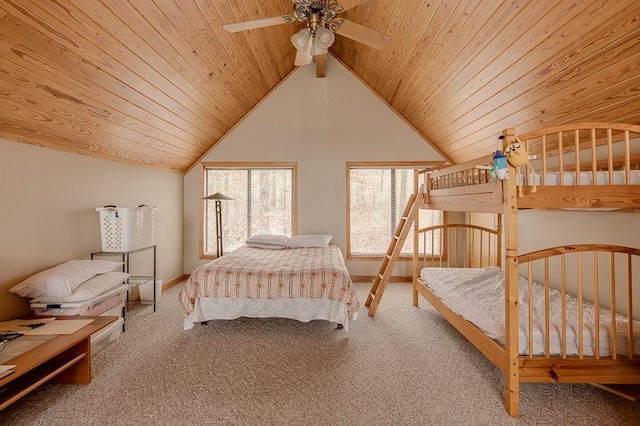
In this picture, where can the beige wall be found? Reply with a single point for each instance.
(541, 229)
(48, 200)
(321, 124)
(544, 229)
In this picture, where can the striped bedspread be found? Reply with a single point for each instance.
(254, 273)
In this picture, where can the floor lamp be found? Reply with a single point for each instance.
(218, 197)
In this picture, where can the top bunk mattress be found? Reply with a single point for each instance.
(477, 294)
(586, 178)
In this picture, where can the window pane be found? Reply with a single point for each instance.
(433, 239)
(404, 189)
(373, 209)
(262, 203)
(370, 197)
(271, 201)
(232, 183)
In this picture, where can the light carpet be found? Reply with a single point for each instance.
(405, 366)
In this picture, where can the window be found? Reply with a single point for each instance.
(377, 196)
(264, 201)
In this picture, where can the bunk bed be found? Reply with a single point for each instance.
(562, 311)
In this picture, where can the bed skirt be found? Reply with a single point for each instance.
(301, 309)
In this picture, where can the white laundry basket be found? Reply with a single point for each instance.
(126, 228)
(146, 291)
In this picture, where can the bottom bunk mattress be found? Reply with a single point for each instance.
(477, 294)
(302, 283)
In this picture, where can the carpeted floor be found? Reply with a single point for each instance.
(405, 366)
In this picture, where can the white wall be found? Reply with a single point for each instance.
(321, 124)
(48, 200)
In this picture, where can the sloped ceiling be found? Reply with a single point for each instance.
(159, 82)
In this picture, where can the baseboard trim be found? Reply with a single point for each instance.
(174, 281)
(394, 278)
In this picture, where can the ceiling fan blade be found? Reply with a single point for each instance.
(258, 23)
(365, 35)
(348, 4)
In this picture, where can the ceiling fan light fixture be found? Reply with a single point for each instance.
(320, 17)
(300, 13)
(301, 39)
(317, 50)
(324, 38)
(328, 15)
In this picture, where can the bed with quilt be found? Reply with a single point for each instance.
(305, 284)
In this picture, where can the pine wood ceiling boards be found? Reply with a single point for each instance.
(158, 82)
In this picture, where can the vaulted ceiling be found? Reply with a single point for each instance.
(159, 82)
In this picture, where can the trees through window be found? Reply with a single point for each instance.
(377, 198)
(263, 202)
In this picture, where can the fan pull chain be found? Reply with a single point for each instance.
(326, 98)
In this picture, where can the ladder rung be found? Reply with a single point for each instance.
(391, 256)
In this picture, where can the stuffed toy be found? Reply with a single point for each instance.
(499, 167)
(518, 155)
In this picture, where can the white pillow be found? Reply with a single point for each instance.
(310, 240)
(266, 246)
(93, 287)
(270, 241)
(63, 279)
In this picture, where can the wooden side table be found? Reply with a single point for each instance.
(66, 358)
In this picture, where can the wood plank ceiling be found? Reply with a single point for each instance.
(158, 82)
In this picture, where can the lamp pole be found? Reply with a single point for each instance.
(218, 197)
(219, 228)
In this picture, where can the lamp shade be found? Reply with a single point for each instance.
(324, 38)
(217, 196)
(301, 39)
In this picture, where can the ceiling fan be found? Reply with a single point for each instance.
(320, 18)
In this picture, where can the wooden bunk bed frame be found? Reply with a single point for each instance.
(464, 188)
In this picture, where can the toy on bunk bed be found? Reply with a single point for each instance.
(499, 167)
(518, 155)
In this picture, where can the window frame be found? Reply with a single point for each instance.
(245, 165)
(382, 165)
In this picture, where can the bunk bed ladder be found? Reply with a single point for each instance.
(392, 254)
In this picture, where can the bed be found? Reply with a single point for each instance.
(555, 315)
(473, 293)
(304, 284)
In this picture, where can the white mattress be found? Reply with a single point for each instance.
(478, 295)
(96, 306)
(586, 178)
